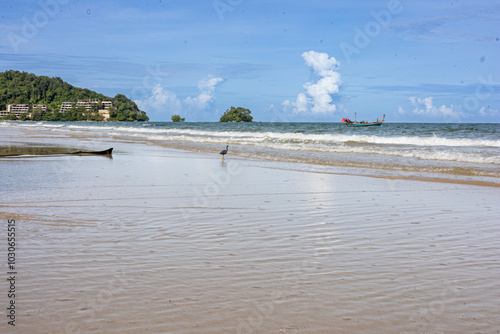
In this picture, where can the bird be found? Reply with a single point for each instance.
(223, 152)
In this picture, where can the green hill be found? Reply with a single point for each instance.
(23, 87)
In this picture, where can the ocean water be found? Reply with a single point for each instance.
(444, 149)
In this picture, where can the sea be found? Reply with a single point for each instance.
(460, 151)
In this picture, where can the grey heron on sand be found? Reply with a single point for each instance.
(223, 152)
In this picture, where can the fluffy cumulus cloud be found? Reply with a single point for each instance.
(425, 107)
(317, 98)
(483, 112)
(160, 99)
(163, 101)
(207, 89)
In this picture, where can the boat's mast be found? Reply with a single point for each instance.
(355, 117)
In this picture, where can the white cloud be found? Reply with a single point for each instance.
(425, 106)
(317, 99)
(321, 64)
(401, 111)
(160, 99)
(165, 101)
(207, 88)
(487, 113)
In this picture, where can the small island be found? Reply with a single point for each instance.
(177, 118)
(28, 97)
(237, 115)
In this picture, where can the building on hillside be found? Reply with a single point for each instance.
(43, 107)
(104, 114)
(106, 104)
(87, 103)
(21, 108)
(18, 109)
(65, 106)
(103, 106)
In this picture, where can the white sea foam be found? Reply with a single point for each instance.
(442, 147)
(279, 137)
(234, 136)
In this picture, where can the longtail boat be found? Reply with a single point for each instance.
(348, 122)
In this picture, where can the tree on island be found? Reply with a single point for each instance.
(177, 118)
(236, 115)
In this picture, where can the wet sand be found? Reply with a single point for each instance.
(157, 240)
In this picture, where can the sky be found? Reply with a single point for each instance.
(286, 61)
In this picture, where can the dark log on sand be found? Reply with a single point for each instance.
(105, 152)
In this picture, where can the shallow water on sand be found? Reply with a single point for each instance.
(163, 241)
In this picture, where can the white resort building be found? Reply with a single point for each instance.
(65, 106)
(87, 104)
(42, 107)
(24, 108)
(107, 104)
(21, 108)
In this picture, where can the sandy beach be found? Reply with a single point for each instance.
(158, 240)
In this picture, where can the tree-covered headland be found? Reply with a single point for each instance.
(27, 88)
(237, 115)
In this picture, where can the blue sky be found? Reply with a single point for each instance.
(415, 61)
